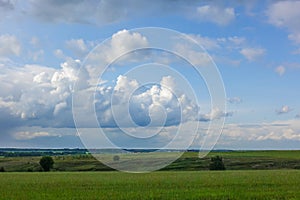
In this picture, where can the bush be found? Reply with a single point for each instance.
(216, 163)
(46, 163)
(116, 158)
(2, 169)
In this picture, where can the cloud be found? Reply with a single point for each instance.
(285, 14)
(59, 53)
(120, 43)
(95, 12)
(252, 54)
(36, 55)
(215, 114)
(276, 130)
(221, 43)
(234, 100)
(34, 41)
(35, 95)
(207, 42)
(295, 37)
(124, 40)
(287, 134)
(78, 47)
(9, 46)
(285, 66)
(199, 58)
(57, 11)
(237, 40)
(283, 110)
(280, 70)
(26, 135)
(59, 107)
(108, 11)
(38, 95)
(223, 49)
(215, 14)
(6, 6)
(296, 52)
(159, 105)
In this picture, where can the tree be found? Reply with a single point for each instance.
(2, 169)
(216, 163)
(46, 163)
(116, 158)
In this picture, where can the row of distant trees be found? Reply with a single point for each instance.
(45, 152)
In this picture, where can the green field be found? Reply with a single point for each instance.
(233, 160)
(249, 175)
(258, 184)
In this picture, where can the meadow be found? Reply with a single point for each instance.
(234, 184)
(233, 160)
(248, 175)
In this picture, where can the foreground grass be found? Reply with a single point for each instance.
(258, 184)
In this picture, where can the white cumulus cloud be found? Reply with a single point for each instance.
(234, 100)
(78, 47)
(214, 114)
(215, 14)
(284, 109)
(26, 135)
(35, 94)
(161, 102)
(286, 14)
(276, 130)
(280, 70)
(9, 45)
(252, 54)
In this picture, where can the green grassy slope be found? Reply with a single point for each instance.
(235, 160)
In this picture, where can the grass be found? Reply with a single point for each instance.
(278, 154)
(183, 179)
(235, 160)
(258, 184)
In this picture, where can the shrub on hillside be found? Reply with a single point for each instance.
(46, 163)
(216, 163)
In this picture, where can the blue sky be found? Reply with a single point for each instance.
(255, 46)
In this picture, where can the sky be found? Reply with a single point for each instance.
(93, 62)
